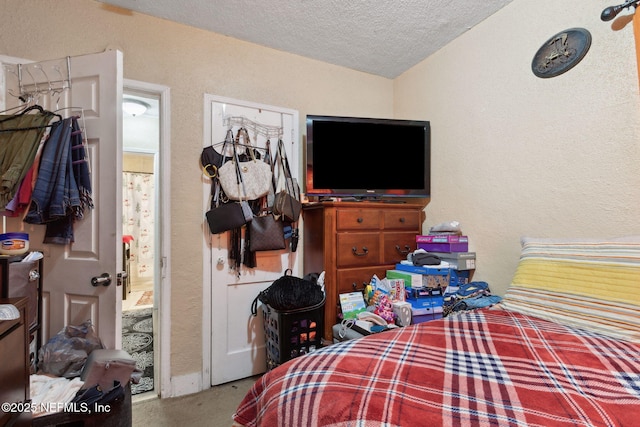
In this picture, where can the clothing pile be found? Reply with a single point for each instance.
(469, 296)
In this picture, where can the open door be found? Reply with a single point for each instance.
(95, 95)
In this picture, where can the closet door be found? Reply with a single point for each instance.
(69, 297)
(237, 338)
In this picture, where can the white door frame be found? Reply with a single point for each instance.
(162, 287)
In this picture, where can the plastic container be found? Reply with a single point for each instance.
(292, 333)
(14, 243)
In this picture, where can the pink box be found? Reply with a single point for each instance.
(443, 243)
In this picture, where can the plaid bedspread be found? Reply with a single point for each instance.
(485, 368)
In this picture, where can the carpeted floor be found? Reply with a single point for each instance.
(213, 407)
(137, 340)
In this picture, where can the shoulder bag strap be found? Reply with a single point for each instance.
(236, 162)
(287, 171)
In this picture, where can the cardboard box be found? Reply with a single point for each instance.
(397, 289)
(434, 304)
(443, 243)
(424, 314)
(441, 238)
(432, 277)
(416, 293)
(458, 260)
(411, 280)
(352, 304)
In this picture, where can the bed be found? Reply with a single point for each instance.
(561, 349)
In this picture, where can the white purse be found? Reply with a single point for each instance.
(246, 180)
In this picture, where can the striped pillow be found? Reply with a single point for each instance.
(589, 284)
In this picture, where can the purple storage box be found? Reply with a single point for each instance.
(443, 243)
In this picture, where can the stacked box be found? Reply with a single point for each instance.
(443, 243)
(432, 277)
(458, 260)
(418, 293)
(425, 309)
(411, 279)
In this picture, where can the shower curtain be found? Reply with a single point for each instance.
(138, 221)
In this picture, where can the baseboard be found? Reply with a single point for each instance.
(186, 384)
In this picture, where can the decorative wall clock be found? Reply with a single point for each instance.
(561, 52)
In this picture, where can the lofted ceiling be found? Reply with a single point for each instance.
(380, 37)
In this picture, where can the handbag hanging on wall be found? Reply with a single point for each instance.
(229, 215)
(266, 233)
(287, 200)
(246, 180)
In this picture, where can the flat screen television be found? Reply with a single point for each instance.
(367, 158)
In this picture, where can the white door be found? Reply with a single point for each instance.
(237, 338)
(95, 94)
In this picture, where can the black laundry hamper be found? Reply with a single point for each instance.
(292, 333)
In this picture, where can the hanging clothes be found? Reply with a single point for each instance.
(20, 137)
(62, 191)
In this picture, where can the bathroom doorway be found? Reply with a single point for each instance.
(141, 127)
(140, 233)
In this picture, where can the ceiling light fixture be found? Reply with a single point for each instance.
(134, 107)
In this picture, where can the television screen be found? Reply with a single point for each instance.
(366, 157)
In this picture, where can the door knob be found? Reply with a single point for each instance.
(104, 279)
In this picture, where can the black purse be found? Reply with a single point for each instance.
(228, 216)
(265, 233)
(287, 200)
(225, 216)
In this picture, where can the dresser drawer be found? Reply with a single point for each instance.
(397, 245)
(357, 249)
(357, 219)
(402, 220)
(356, 279)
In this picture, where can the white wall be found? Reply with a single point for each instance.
(517, 155)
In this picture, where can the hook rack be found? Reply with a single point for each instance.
(40, 78)
(257, 128)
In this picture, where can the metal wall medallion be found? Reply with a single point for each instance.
(561, 52)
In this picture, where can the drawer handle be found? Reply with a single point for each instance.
(406, 250)
(360, 220)
(402, 220)
(354, 285)
(364, 252)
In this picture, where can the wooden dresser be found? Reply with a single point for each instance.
(352, 241)
(14, 365)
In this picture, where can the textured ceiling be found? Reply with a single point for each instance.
(383, 37)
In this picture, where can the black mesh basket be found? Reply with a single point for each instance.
(292, 333)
